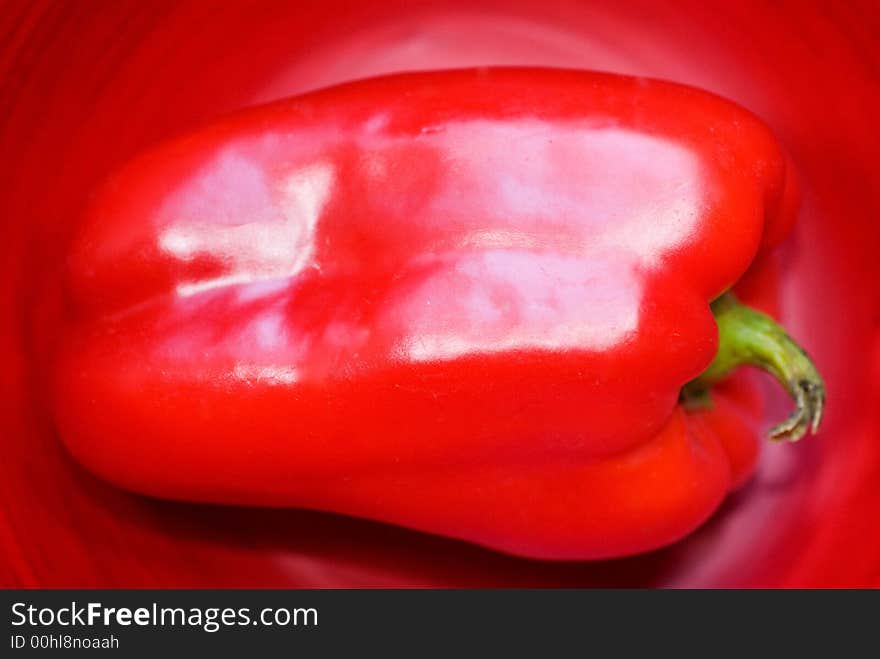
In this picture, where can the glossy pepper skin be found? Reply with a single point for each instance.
(463, 302)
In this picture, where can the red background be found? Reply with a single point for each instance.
(86, 84)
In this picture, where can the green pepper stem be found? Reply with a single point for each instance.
(749, 337)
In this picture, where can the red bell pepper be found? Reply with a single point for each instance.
(475, 303)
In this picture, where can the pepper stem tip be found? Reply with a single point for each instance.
(748, 337)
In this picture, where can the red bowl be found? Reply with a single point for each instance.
(86, 84)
